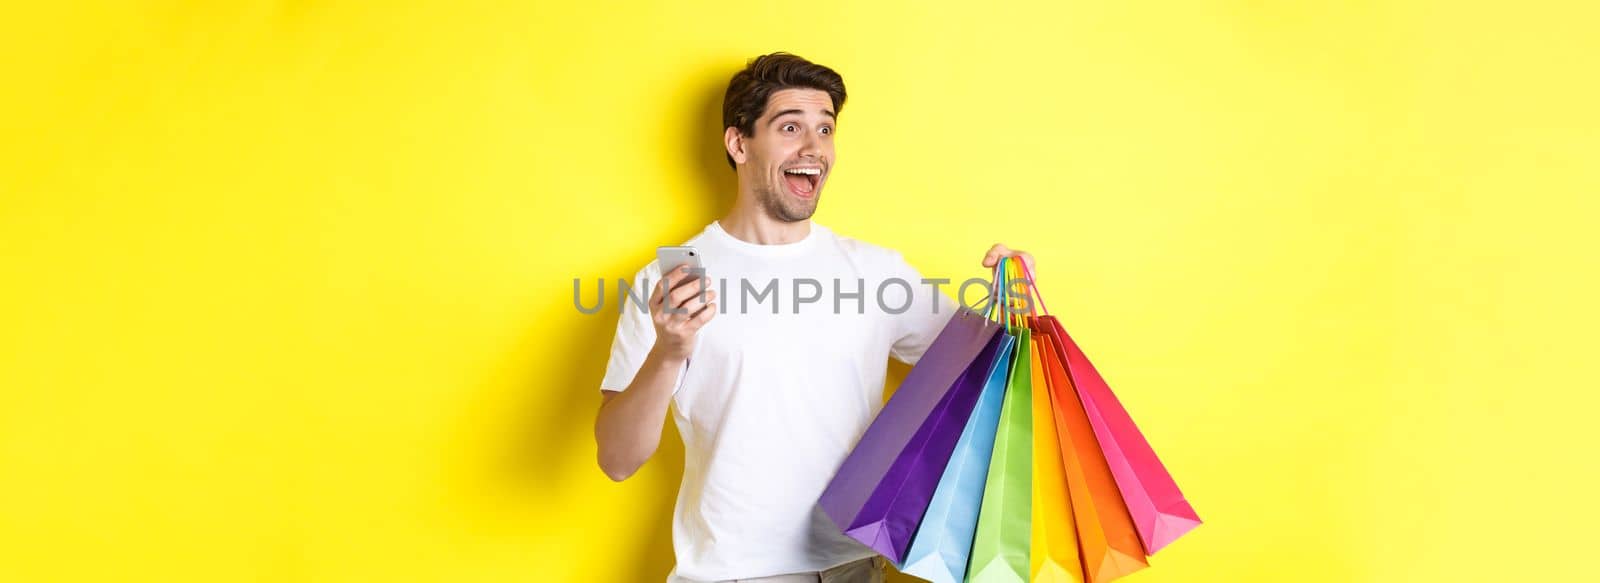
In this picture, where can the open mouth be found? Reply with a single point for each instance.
(803, 181)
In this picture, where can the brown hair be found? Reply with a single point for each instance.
(749, 89)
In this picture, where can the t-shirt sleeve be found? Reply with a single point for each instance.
(915, 328)
(635, 335)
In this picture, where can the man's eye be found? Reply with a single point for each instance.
(788, 127)
(827, 129)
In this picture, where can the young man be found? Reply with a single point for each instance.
(771, 386)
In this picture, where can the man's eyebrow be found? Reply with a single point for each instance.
(785, 112)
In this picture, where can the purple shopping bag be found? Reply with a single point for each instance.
(958, 345)
(889, 519)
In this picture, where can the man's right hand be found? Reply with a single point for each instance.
(679, 312)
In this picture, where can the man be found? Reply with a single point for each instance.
(772, 386)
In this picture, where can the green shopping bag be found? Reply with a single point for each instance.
(1000, 547)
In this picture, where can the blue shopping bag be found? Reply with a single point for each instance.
(943, 541)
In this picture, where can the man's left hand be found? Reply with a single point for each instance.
(998, 251)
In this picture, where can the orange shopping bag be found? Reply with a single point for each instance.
(1109, 546)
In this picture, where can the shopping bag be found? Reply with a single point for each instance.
(943, 542)
(890, 516)
(1000, 545)
(1107, 543)
(1053, 554)
(967, 333)
(1160, 512)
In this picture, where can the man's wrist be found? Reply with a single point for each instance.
(666, 359)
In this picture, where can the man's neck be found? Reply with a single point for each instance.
(753, 225)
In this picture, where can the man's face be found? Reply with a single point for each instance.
(788, 159)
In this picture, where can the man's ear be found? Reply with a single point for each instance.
(734, 141)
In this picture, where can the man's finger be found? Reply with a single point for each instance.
(682, 293)
(656, 294)
(694, 304)
(992, 258)
(704, 315)
(685, 275)
(688, 306)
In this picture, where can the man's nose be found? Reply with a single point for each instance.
(811, 145)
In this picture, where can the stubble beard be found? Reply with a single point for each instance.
(782, 208)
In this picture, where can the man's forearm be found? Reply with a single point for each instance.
(628, 428)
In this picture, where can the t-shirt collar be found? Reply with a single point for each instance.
(717, 233)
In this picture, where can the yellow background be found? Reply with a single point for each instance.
(287, 286)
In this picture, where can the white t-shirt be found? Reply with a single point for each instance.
(769, 404)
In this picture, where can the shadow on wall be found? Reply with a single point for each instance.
(558, 426)
(568, 422)
(543, 455)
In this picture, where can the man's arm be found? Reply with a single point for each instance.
(628, 427)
